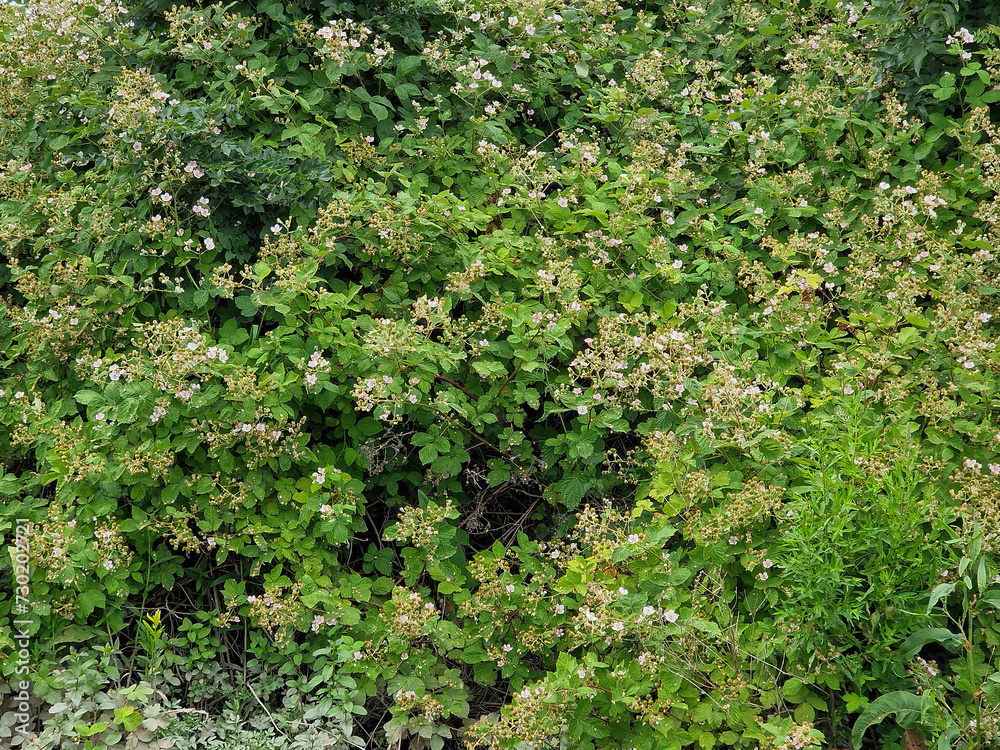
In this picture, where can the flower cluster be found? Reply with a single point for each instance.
(316, 365)
(341, 42)
(421, 526)
(262, 437)
(632, 356)
(279, 611)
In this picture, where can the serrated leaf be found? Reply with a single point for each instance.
(90, 398)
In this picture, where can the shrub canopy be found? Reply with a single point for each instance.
(567, 372)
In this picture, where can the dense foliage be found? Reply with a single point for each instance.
(542, 373)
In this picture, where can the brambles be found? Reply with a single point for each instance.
(455, 373)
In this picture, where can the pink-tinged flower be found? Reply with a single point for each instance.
(136, 146)
(563, 202)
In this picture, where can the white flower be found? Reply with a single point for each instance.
(319, 476)
(209, 243)
(670, 616)
(617, 626)
(276, 228)
(633, 538)
(647, 611)
(99, 416)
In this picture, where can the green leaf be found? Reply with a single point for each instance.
(89, 731)
(9, 484)
(88, 601)
(922, 637)
(90, 398)
(900, 702)
(940, 591)
(572, 489)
